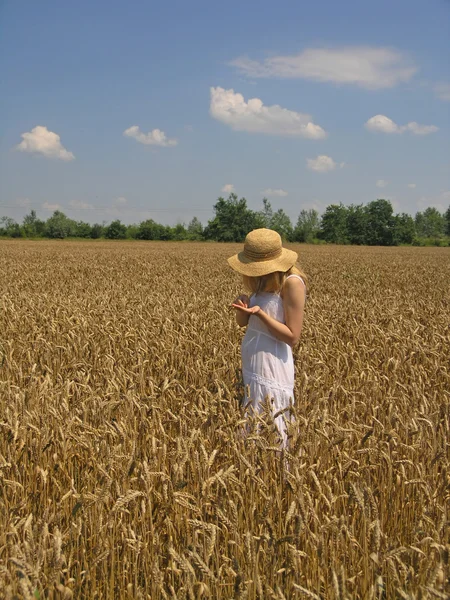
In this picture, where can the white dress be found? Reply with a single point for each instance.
(267, 362)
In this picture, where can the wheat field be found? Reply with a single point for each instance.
(124, 470)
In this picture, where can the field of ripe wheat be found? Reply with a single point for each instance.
(124, 472)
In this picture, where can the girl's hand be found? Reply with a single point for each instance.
(242, 300)
(245, 309)
(242, 310)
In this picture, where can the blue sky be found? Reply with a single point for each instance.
(139, 109)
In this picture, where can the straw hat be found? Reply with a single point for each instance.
(263, 254)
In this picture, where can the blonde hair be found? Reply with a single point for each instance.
(273, 282)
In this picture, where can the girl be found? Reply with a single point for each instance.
(274, 315)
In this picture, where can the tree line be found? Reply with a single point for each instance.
(370, 224)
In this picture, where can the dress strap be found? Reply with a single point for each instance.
(298, 277)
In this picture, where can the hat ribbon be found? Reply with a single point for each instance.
(262, 256)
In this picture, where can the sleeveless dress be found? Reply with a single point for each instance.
(267, 362)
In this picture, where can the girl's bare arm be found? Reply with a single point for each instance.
(242, 317)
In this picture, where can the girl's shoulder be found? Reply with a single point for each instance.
(291, 279)
(294, 275)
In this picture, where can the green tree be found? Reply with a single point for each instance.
(32, 226)
(10, 228)
(166, 233)
(17, 231)
(179, 232)
(265, 215)
(282, 224)
(59, 226)
(380, 223)
(97, 231)
(194, 230)
(333, 227)
(232, 220)
(447, 221)
(430, 223)
(404, 229)
(150, 230)
(82, 229)
(132, 232)
(357, 224)
(3, 225)
(307, 227)
(116, 230)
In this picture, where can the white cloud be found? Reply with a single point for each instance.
(232, 109)
(365, 66)
(152, 138)
(322, 164)
(314, 204)
(440, 202)
(442, 91)
(228, 188)
(80, 205)
(52, 207)
(42, 141)
(420, 129)
(381, 183)
(274, 192)
(117, 207)
(23, 202)
(411, 185)
(384, 124)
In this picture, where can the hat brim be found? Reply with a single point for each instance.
(245, 266)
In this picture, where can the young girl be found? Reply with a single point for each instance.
(274, 315)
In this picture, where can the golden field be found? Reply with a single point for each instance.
(123, 469)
